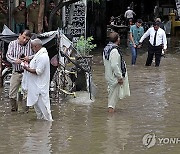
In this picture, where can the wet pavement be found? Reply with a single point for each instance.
(149, 116)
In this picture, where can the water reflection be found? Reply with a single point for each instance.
(71, 127)
(156, 89)
(82, 126)
(117, 131)
(37, 138)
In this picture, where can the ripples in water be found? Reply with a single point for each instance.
(84, 126)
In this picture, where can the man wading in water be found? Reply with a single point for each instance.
(115, 72)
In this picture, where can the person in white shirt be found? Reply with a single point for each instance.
(129, 14)
(157, 43)
(38, 79)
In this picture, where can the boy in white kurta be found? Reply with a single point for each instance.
(118, 86)
(38, 81)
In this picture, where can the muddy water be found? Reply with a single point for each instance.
(87, 128)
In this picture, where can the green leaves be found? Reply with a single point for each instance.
(84, 46)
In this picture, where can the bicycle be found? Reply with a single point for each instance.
(63, 83)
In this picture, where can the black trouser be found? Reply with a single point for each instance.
(157, 50)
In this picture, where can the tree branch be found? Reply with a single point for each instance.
(58, 7)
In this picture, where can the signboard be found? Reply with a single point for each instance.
(85, 62)
(178, 7)
(75, 18)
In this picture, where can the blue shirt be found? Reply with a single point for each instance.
(137, 33)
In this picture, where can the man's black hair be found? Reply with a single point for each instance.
(139, 21)
(156, 23)
(26, 32)
(51, 2)
(21, 2)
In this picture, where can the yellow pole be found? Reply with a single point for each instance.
(172, 18)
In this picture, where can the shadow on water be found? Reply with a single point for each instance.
(81, 127)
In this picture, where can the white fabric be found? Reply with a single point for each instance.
(7, 31)
(24, 83)
(38, 84)
(24, 78)
(112, 74)
(64, 41)
(129, 14)
(160, 37)
(41, 109)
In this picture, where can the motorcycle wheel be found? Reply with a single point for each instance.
(6, 78)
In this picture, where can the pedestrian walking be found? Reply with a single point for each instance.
(19, 14)
(56, 19)
(136, 32)
(17, 49)
(157, 43)
(38, 79)
(129, 14)
(115, 72)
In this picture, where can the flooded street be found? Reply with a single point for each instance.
(87, 128)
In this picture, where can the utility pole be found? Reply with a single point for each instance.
(41, 16)
(10, 8)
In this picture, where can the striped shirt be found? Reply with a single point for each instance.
(15, 50)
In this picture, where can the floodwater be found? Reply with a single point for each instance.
(85, 127)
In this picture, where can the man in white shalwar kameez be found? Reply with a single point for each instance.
(38, 78)
(118, 85)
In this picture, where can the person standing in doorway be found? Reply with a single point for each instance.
(19, 14)
(18, 49)
(115, 72)
(32, 16)
(157, 43)
(56, 20)
(38, 79)
(136, 32)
